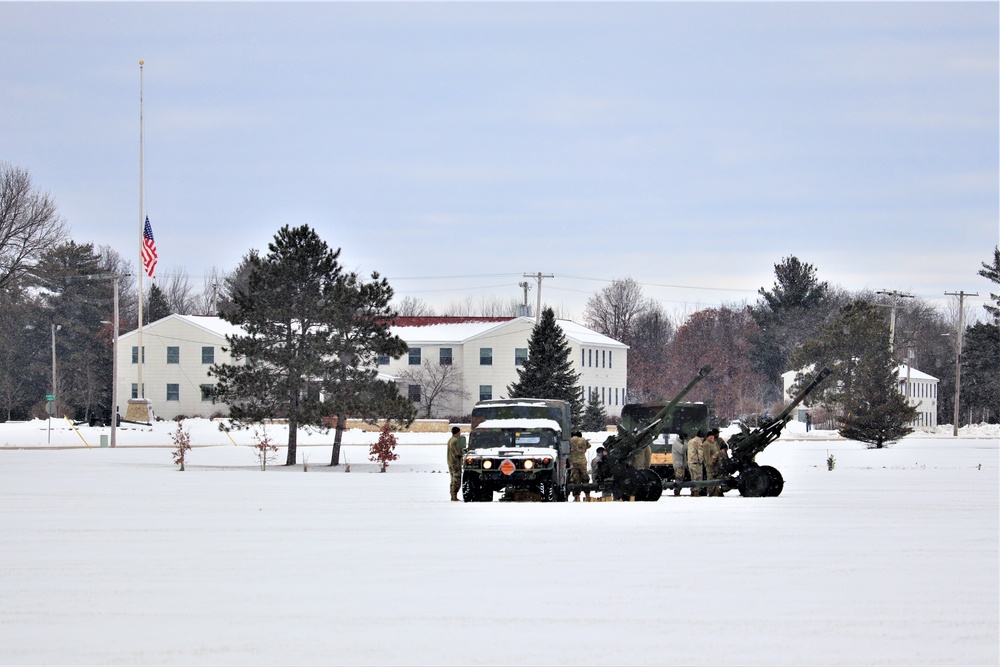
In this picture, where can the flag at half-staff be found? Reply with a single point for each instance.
(148, 249)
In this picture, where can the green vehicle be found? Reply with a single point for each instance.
(517, 445)
(686, 420)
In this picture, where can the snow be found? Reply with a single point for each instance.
(113, 556)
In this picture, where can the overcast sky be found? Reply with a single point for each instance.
(455, 147)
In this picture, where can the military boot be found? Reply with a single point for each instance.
(454, 496)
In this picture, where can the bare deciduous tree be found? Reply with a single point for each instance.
(412, 307)
(615, 309)
(439, 384)
(128, 297)
(29, 224)
(486, 306)
(179, 293)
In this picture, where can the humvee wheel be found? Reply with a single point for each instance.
(777, 481)
(653, 485)
(549, 491)
(472, 493)
(754, 483)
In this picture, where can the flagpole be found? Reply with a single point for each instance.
(139, 390)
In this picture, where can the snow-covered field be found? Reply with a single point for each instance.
(112, 556)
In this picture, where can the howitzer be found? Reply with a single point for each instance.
(617, 473)
(755, 480)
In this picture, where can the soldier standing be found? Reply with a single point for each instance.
(643, 458)
(578, 447)
(710, 455)
(456, 449)
(678, 455)
(695, 461)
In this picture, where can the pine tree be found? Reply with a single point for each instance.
(548, 372)
(285, 310)
(864, 385)
(157, 307)
(992, 272)
(595, 418)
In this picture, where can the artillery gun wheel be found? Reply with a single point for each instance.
(777, 481)
(653, 485)
(754, 483)
(630, 483)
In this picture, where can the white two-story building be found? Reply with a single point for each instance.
(179, 350)
(919, 388)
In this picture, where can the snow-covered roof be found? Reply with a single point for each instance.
(461, 332)
(214, 325)
(456, 332)
(914, 374)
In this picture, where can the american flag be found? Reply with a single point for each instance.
(148, 249)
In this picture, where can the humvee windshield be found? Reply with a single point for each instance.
(511, 437)
(517, 412)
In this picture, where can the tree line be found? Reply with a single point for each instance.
(54, 291)
(802, 322)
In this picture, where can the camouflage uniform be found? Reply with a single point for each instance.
(710, 455)
(578, 447)
(456, 449)
(678, 455)
(695, 463)
(642, 458)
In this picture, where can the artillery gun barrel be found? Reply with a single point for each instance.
(626, 444)
(801, 396)
(744, 447)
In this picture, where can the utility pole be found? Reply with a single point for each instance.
(892, 319)
(538, 277)
(958, 350)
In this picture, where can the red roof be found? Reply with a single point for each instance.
(429, 320)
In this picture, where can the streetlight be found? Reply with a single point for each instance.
(53, 406)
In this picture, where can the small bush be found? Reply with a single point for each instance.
(383, 450)
(265, 450)
(182, 440)
(831, 461)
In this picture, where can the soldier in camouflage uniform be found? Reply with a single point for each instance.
(696, 462)
(578, 447)
(678, 456)
(710, 455)
(456, 449)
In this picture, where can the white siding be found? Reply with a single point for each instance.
(189, 374)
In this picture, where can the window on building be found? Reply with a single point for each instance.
(583, 357)
(135, 354)
(414, 356)
(206, 391)
(602, 359)
(520, 355)
(485, 392)
(609, 358)
(444, 358)
(413, 392)
(135, 390)
(590, 357)
(207, 354)
(602, 396)
(383, 360)
(486, 356)
(173, 392)
(173, 355)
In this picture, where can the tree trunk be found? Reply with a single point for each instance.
(337, 438)
(293, 436)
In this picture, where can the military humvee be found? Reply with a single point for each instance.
(517, 445)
